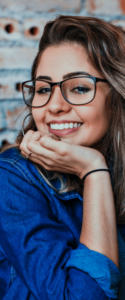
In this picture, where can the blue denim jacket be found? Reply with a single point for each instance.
(40, 253)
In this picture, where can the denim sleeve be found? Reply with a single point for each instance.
(98, 266)
(40, 248)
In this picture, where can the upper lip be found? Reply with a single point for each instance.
(62, 121)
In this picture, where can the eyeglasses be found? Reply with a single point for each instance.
(76, 90)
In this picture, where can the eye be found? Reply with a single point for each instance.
(43, 90)
(80, 90)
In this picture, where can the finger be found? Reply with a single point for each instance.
(47, 148)
(55, 145)
(45, 164)
(36, 136)
(55, 137)
(34, 145)
(29, 136)
(41, 161)
(38, 149)
(48, 165)
(26, 155)
(25, 140)
(39, 158)
(51, 135)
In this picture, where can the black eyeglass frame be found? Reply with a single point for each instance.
(95, 79)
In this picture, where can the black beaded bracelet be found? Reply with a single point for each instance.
(94, 171)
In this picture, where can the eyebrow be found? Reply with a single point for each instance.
(69, 75)
(75, 74)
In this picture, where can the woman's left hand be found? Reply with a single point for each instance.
(55, 155)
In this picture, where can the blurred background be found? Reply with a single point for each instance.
(21, 26)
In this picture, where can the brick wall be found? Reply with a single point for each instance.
(21, 25)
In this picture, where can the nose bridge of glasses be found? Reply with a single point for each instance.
(54, 84)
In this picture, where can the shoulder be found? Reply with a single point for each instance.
(11, 161)
(15, 169)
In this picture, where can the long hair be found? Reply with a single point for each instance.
(105, 47)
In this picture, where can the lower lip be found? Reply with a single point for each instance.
(63, 131)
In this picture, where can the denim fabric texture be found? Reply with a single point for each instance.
(40, 253)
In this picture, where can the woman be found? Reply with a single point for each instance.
(54, 245)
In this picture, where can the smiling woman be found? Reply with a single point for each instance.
(64, 179)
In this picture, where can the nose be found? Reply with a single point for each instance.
(57, 103)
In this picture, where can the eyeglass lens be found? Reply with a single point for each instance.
(80, 90)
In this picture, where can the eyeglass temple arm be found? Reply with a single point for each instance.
(99, 79)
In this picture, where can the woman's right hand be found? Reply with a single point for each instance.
(98, 231)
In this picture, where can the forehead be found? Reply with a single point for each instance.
(65, 58)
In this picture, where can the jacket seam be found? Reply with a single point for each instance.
(15, 164)
(13, 273)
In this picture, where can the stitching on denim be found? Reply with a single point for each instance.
(12, 273)
(28, 174)
(12, 162)
(70, 196)
(30, 180)
(66, 197)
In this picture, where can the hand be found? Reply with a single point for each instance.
(55, 155)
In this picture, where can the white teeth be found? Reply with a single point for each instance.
(71, 125)
(67, 126)
(64, 126)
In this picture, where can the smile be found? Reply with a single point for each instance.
(64, 126)
(63, 129)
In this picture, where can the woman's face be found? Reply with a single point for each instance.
(56, 62)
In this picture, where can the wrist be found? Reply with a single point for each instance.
(94, 171)
(99, 163)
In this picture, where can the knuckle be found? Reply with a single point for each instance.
(48, 135)
(21, 146)
(50, 163)
(63, 150)
(27, 136)
(42, 139)
(47, 168)
(29, 133)
(36, 135)
(29, 145)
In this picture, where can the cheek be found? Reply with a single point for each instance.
(92, 114)
(38, 116)
(99, 124)
(99, 120)
(100, 114)
(95, 121)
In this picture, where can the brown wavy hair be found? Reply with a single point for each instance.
(105, 46)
